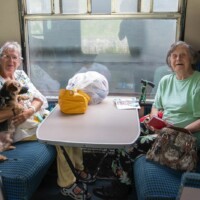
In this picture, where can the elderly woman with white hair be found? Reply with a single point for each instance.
(10, 60)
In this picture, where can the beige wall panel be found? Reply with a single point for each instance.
(9, 21)
(192, 27)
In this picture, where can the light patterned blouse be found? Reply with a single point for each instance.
(32, 93)
(29, 127)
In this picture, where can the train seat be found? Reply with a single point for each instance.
(25, 168)
(157, 182)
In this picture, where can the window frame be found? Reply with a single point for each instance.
(25, 17)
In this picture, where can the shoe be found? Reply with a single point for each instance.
(76, 192)
(85, 177)
(115, 191)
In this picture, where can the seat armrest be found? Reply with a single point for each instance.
(190, 186)
(191, 179)
(1, 189)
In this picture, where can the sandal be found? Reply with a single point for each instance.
(85, 177)
(76, 192)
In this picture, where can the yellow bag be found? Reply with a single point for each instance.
(73, 101)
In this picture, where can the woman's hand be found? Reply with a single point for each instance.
(27, 113)
(146, 123)
(156, 123)
(22, 117)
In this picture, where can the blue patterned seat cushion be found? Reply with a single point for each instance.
(26, 166)
(154, 181)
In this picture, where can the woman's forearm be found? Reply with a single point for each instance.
(194, 126)
(36, 105)
(154, 111)
(6, 114)
(28, 112)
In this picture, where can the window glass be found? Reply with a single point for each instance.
(165, 5)
(36, 29)
(126, 6)
(125, 51)
(145, 5)
(74, 6)
(103, 6)
(38, 6)
(119, 42)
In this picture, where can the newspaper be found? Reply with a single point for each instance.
(126, 103)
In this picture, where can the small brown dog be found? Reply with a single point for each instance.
(9, 99)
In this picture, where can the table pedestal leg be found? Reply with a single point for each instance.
(100, 164)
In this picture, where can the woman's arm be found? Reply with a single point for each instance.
(33, 91)
(6, 114)
(27, 113)
(194, 126)
(154, 112)
(36, 105)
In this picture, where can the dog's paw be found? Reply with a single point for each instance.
(22, 98)
(10, 147)
(3, 158)
(6, 139)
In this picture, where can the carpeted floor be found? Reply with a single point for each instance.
(48, 189)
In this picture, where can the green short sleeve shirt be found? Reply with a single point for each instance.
(179, 99)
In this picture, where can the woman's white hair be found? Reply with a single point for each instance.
(11, 46)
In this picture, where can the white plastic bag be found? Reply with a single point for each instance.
(92, 83)
(97, 67)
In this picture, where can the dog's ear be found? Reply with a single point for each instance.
(12, 87)
(23, 90)
(3, 91)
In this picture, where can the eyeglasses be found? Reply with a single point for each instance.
(175, 56)
(8, 57)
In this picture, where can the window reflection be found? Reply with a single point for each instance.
(38, 6)
(131, 49)
(165, 5)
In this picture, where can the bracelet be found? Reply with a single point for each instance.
(14, 113)
(33, 108)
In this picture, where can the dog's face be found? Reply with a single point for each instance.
(9, 93)
(10, 88)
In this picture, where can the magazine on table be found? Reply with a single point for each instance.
(127, 103)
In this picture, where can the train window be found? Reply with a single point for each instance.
(74, 6)
(38, 6)
(103, 6)
(165, 6)
(159, 5)
(129, 6)
(124, 40)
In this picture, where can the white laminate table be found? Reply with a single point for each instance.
(102, 126)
